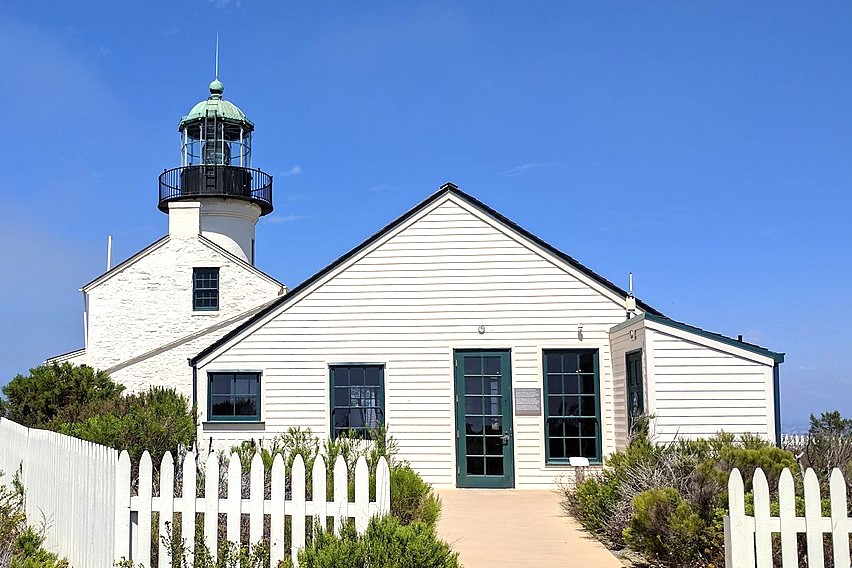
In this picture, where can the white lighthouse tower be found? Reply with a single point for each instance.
(216, 173)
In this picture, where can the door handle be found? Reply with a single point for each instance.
(505, 438)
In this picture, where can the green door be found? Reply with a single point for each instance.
(484, 444)
(635, 397)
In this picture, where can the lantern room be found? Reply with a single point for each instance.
(216, 157)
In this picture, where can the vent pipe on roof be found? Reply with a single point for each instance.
(109, 252)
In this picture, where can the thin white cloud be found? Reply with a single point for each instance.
(297, 197)
(380, 187)
(222, 4)
(294, 171)
(286, 218)
(517, 170)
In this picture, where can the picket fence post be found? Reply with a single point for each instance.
(813, 518)
(122, 507)
(297, 512)
(739, 532)
(839, 521)
(341, 494)
(277, 512)
(787, 512)
(189, 504)
(167, 504)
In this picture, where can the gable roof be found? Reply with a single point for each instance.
(125, 263)
(446, 189)
(163, 240)
(724, 339)
(699, 332)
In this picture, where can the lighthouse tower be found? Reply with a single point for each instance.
(216, 174)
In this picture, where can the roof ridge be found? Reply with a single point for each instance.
(446, 189)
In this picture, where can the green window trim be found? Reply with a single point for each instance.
(356, 398)
(233, 396)
(205, 289)
(572, 405)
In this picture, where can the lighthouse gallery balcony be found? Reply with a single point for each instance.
(188, 183)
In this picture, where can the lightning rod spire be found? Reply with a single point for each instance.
(217, 55)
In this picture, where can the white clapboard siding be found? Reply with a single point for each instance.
(70, 494)
(138, 509)
(626, 340)
(748, 539)
(408, 303)
(699, 391)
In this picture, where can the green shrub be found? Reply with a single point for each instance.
(668, 501)
(158, 420)
(664, 526)
(412, 499)
(596, 499)
(57, 392)
(385, 544)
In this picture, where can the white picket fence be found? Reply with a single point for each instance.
(82, 494)
(69, 490)
(748, 539)
(794, 440)
(134, 513)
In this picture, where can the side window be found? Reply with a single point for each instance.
(357, 398)
(205, 289)
(572, 411)
(233, 397)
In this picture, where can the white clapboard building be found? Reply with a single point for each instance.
(493, 359)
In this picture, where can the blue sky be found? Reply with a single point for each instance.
(704, 146)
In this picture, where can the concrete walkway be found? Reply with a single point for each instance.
(510, 527)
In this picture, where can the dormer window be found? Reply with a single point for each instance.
(205, 289)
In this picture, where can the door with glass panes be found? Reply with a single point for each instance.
(635, 398)
(484, 444)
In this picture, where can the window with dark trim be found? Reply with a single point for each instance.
(233, 397)
(357, 399)
(205, 289)
(572, 407)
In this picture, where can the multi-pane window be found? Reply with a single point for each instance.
(357, 398)
(572, 413)
(234, 397)
(205, 289)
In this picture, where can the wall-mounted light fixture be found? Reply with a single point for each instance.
(580, 331)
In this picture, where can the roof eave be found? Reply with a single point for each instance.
(447, 188)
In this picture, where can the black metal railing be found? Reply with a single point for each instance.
(190, 182)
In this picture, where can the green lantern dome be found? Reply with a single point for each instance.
(216, 106)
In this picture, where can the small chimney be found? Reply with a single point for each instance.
(184, 219)
(740, 338)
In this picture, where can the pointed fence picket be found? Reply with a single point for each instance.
(134, 513)
(749, 539)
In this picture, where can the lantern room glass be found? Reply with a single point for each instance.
(215, 142)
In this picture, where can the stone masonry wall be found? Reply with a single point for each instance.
(149, 304)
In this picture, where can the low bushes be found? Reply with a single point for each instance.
(88, 404)
(387, 543)
(56, 393)
(158, 420)
(668, 501)
(412, 499)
